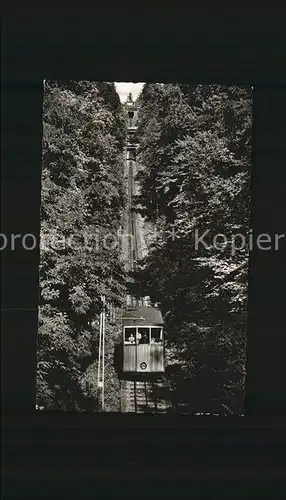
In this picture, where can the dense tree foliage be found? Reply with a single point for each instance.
(195, 146)
(82, 202)
(194, 175)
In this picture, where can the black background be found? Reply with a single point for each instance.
(79, 455)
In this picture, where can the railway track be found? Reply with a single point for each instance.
(134, 251)
(144, 396)
(139, 394)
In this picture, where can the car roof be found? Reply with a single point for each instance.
(143, 316)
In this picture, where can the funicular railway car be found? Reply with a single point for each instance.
(143, 341)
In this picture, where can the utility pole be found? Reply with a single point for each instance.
(101, 353)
